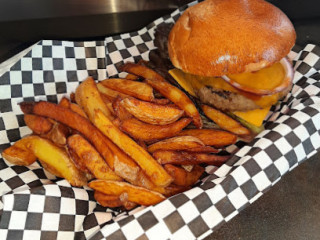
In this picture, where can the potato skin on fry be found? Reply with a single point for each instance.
(38, 124)
(182, 177)
(188, 158)
(150, 112)
(179, 98)
(135, 194)
(211, 137)
(90, 158)
(149, 132)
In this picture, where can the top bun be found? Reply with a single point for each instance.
(219, 37)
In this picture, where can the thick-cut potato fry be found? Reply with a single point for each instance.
(120, 111)
(150, 112)
(149, 165)
(202, 149)
(125, 166)
(55, 158)
(179, 98)
(19, 153)
(113, 201)
(90, 158)
(142, 71)
(132, 77)
(135, 89)
(89, 99)
(58, 134)
(187, 158)
(135, 194)
(176, 143)
(224, 121)
(211, 137)
(182, 177)
(110, 93)
(173, 189)
(149, 132)
(38, 124)
(64, 102)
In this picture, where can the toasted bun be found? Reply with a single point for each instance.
(219, 37)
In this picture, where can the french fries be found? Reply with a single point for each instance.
(56, 158)
(176, 143)
(108, 150)
(182, 177)
(154, 170)
(211, 137)
(142, 71)
(188, 158)
(135, 194)
(224, 121)
(39, 125)
(149, 132)
(150, 112)
(179, 98)
(90, 158)
(135, 89)
(89, 99)
(85, 138)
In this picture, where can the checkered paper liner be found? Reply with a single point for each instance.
(37, 205)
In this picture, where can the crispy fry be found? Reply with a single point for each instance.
(135, 194)
(150, 112)
(39, 125)
(64, 102)
(89, 99)
(19, 153)
(149, 132)
(224, 121)
(182, 177)
(58, 134)
(187, 158)
(211, 137)
(135, 89)
(90, 158)
(173, 189)
(142, 71)
(110, 93)
(120, 111)
(130, 76)
(123, 165)
(161, 101)
(179, 98)
(150, 166)
(56, 158)
(106, 200)
(202, 149)
(176, 143)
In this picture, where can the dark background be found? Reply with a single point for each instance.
(291, 209)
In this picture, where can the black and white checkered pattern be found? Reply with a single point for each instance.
(37, 205)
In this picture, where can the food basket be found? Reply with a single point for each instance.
(37, 205)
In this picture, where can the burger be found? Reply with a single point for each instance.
(231, 55)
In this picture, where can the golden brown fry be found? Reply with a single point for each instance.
(135, 194)
(38, 124)
(58, 134)
(130, 76)
(187, 158)
(179, 98)
(182, 177)
(89, 99)
(202, 149)
(90, 158)
(118, 161)
(111, 94)
(150, 112)
(173, 189)
(120, 111)
(135, 89)
(211, 137)
(149, 165)
(19, 153)
(106, 200)
(161, 101)
(224, 121)
(149, 132)
(176, 143)
(142, 71)
(56, 158)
